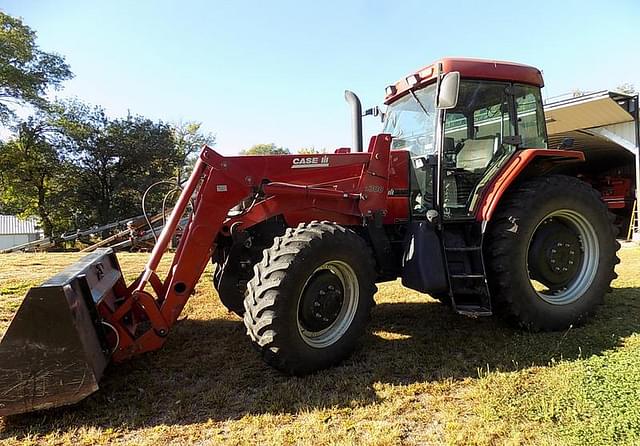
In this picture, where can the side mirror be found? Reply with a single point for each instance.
(373, 111)
(448, 93)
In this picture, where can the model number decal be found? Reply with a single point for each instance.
(374, 188)
(310, 161)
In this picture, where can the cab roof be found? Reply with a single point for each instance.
(469, 69)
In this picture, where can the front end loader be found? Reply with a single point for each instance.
(459, 197)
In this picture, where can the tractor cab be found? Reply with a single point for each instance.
(460, 121)
(492, 110)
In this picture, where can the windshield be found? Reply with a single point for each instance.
(412, 122)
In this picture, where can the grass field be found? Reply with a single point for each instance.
(422, 375)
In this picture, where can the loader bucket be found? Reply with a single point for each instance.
(55, 349)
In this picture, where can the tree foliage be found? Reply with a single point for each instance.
(627, 88)
(311, 151)
(265, 149)
(25, 70)
(34, 178)
(189, 139)
(116, 159)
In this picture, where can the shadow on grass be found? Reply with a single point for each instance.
(207, 370)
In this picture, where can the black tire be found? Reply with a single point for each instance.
(280, 288)
(517, 249)
(234, 265)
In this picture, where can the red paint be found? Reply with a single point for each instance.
(470, 69)
(616, 191)
(512, 170)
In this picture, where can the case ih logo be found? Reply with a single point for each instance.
(310, 161)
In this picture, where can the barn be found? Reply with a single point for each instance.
(605, 125)
(15, 231)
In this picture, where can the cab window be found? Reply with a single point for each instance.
(473, 141)
(531, 124)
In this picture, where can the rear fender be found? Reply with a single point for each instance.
(525, 163)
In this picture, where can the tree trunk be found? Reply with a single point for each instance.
(47, 225)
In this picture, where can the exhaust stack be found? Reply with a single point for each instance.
(356, 119)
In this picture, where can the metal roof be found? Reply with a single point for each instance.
(590, 120)
(10, 224)
(590, 110)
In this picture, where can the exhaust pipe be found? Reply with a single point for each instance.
(356, 119)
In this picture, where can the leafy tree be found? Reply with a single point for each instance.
(189, 140)
(265, 149)
(627, 88)
(117, 159)
(34, 178)
(310, 151)
(25, 71)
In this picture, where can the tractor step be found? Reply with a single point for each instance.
(467, 276)
(473, 310)
(462, 245)
(462, 248)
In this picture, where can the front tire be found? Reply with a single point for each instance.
(550, 252)
(310, 297)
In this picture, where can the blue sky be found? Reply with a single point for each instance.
(275, 71)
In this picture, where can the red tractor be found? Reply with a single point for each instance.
(459, 197)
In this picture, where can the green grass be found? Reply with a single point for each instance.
(422, 375)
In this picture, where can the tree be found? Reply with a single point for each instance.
(117, 159)
(626, 88)
(25, 71)
(35, 180)
(189, 140)
(265, 149)
(310, 151)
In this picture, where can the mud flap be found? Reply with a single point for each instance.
(423, 263)
(56, 349)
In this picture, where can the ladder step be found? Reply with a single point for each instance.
(473, 310)
(463, 249)
(467, 276)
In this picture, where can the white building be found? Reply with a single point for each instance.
(14, 231)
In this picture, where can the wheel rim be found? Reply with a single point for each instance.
(562, 257)
(327, 304)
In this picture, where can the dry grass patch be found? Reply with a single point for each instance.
(423, 375)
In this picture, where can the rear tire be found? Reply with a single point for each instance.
(310, 297)
(550, 251)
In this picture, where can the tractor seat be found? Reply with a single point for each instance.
(476, 154)
(470, 163)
